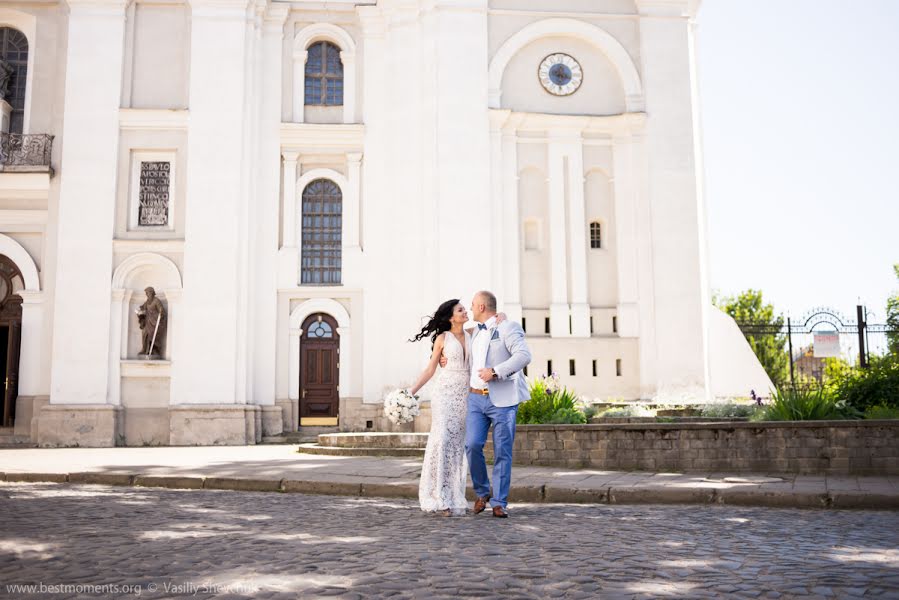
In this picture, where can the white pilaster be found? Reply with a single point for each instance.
(626, 203)
(93, 85)
(209, 368)
(680, 282)
(559, 311)
(498, 221)
(268, 205)
(30, 349)
(349, 85)
(289, 233)
(351, 245)
(512, 243)
(299, 85)
(577, 247)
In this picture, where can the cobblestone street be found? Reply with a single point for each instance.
(165, 543)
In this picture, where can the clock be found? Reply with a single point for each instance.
(560, 74)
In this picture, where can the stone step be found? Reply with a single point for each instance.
(346, 451)
(304, 435)
(371, 439)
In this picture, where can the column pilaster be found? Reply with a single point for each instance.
(559, 310)
(87, 194)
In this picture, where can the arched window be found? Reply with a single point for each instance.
(595, 235)
(322, 222)
(324, 75)
(14, 52)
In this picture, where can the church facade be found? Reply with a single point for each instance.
(301, 182)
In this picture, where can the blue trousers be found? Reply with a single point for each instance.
(481, 415)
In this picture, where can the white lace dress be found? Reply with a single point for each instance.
(445, 469)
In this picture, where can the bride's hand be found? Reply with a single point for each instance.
(443, 361)
(500, 317)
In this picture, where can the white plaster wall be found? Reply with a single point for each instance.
(602, 263)
(735, 370)
(161, 51)
(600, 92)
(535, 264)
(605, 351)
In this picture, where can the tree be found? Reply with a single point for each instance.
(893, 318)
(761, 328)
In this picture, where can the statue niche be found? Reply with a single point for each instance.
(151, 316)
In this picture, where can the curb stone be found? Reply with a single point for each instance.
(102, 478)
(242, 485)
(524, 494)
(187, 483)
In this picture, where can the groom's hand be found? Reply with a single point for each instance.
(486, 374)
(443, 361)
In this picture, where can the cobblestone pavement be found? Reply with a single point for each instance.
(209, 543)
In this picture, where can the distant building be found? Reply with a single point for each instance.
(808, 366)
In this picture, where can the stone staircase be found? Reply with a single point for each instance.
(305, 435)
(8, 439)
(368, 444)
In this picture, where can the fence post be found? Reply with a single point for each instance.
(862, 351)
(790, 346)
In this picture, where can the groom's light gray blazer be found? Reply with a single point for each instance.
(507, 355)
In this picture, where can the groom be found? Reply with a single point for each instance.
(498, 355)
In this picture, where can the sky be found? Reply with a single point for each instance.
(800, 116)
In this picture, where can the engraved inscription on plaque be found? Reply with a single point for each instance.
(153, 194)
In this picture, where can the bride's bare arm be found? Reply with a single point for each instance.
(430, 369)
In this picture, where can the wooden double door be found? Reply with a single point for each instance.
(10, 338)
(319, 371)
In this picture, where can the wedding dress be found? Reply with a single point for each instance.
(444, 472)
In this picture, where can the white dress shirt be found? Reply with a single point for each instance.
(479, 346)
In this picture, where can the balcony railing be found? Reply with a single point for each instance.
(25, 152)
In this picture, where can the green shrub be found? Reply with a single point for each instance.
(634, 410)
(882, 412)
(878, 385)
(567, 416)
(791, 404)
(728, 410)
(549, 401)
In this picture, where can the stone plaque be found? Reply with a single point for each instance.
(153, 194)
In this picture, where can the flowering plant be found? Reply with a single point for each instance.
(401, 407)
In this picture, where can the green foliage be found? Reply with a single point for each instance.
(728, 410)
(635, 410)
(791, 404)
(749, 308)
(550, 403)
(893, 319)
(882, 412)
(864, 388)
(567, 416)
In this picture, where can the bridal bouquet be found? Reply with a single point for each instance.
(401, 407)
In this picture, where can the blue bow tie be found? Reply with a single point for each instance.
(481, 326)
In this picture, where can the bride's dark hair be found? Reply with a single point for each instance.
(439, 323)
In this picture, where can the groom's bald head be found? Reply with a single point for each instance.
(483, 306)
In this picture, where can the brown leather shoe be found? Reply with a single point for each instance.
(480, 504)
(500, 512)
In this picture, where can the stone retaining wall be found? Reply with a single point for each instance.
(835, 447)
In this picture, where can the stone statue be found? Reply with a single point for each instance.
(152, 318)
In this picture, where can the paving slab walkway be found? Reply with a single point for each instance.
(279, 468)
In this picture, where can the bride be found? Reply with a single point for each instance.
(445, 468)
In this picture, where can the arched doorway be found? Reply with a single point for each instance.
(319, 371)
(11, 282)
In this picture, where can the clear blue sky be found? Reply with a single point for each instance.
(800, 116)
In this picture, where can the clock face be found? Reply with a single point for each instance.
(560, 74)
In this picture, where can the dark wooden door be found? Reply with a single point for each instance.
(11, 392)
(319, 371)
(10, 340)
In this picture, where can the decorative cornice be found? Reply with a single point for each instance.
(315, 137)
(153, 119)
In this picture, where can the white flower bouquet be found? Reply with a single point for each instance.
(401, 407)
